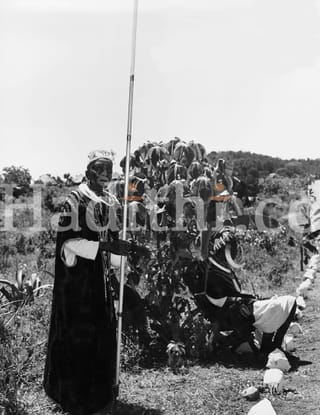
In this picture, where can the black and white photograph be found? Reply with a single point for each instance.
(159, 207)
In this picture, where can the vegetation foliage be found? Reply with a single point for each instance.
(170, 310)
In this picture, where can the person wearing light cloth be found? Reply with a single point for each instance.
(218, 293)
(272, 317)
(81, 353)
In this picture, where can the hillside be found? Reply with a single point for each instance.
(254, 168)
(245, 161)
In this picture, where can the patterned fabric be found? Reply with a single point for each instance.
(80, 364)
(98, 155)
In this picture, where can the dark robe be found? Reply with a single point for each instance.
(215, 279)
(81, 354)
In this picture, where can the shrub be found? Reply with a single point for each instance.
(269, 260)
(8, 249)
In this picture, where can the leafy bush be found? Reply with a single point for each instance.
(269, 260)
(19, 176)
(8, 249)
(14, 245)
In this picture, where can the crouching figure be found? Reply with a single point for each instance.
(218, 294)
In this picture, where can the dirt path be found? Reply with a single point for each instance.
(302, 386)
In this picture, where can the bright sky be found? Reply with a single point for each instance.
(230, 74)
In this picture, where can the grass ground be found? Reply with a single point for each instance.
(213, 389)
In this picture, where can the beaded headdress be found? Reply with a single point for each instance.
(99, 154)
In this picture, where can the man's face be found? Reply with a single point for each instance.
(100, 173)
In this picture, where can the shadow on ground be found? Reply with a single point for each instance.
(254, 361)
(123, 408)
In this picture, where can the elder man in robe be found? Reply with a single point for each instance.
(81, 355)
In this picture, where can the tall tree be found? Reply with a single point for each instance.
(20, 177)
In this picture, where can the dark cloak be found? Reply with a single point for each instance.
(214, 278)
(81, 355)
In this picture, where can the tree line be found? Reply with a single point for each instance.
(247, 166)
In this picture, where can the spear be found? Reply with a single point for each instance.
(125, 208)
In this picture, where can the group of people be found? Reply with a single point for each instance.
(81, 353)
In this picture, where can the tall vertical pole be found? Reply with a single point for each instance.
(127, 166)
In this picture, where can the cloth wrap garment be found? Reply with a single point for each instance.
(216, 288)
(218, 294)
(81, 353)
